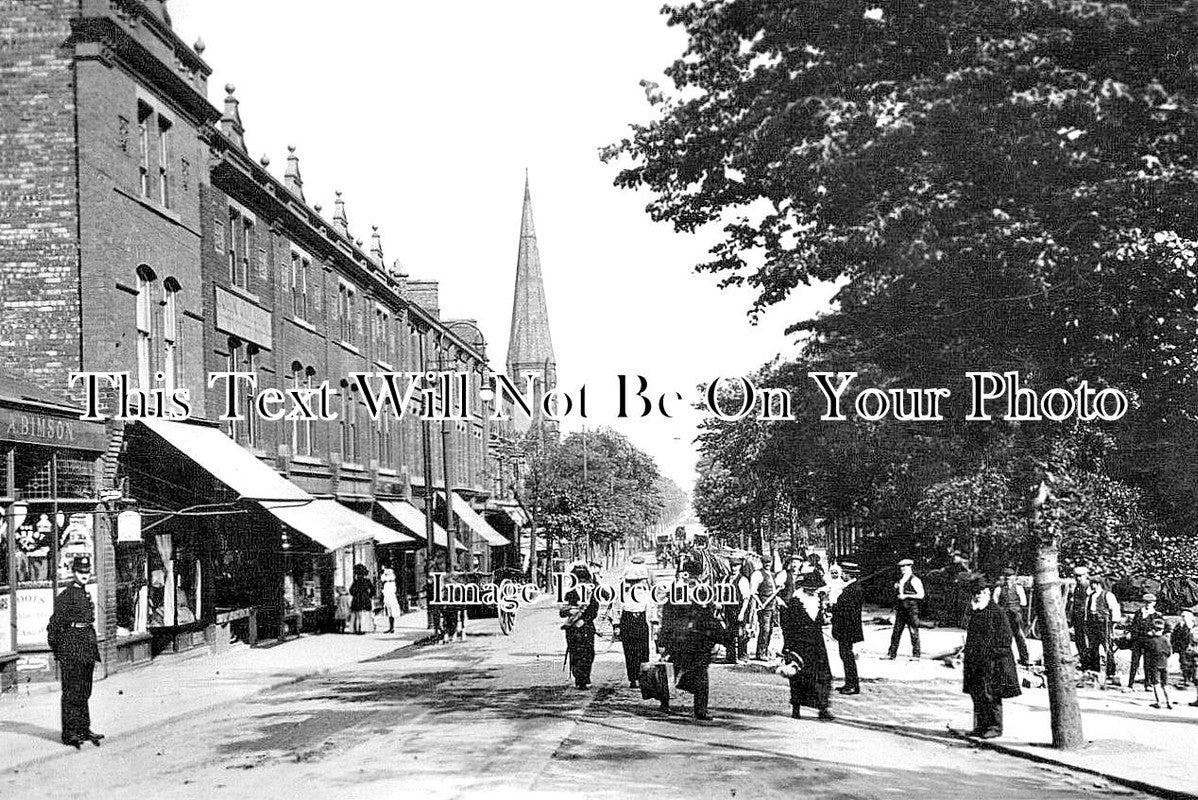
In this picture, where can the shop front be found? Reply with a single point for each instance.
(491, 548)
(402, 514)
(50, 512)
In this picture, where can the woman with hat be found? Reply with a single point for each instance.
(580, 626)
(71, 634)
(635, 618)
(1141, 631)
(361, 593)
(990, 674)
(802, 623)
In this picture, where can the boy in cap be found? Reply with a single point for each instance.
(1142, 623)
(71, 634)
(908, 592)
(1157, 649)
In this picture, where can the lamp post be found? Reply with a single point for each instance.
(451, 538)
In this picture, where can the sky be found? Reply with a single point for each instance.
(426, 115)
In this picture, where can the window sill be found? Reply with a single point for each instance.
(347, 346)
(311, 460)
(384, 365)
(302, 323)
(132, 638)
(242, 292)
(161, 211)
(351, 466)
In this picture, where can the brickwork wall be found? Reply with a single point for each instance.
(39, 263)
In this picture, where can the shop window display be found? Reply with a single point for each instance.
(176, 569)
(132, 589)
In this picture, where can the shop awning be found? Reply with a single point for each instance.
(227, 461)
(331, 524)
(466, 514)
(412, 519)
(514, 513)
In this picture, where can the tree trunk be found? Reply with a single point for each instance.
(1059, 662)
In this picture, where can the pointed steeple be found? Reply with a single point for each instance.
(230, 121)
(291, 177)
(340, 221)
(530, 346)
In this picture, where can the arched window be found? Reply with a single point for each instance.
(172, 326)
(146, 281)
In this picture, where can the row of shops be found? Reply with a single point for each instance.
(198, 542)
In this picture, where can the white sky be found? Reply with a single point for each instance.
(425, 115)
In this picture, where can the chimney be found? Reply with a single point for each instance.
(424, 294)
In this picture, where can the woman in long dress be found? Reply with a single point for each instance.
(390, 598)
(361, 592)
(802, 623)
(579, 626)
(636, 614)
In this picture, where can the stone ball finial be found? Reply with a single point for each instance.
(229, 89)
(358, 242)
(374, 228)
(199, 47)
(317, 208)
(337, 192)
(290, 148)
(265, 160)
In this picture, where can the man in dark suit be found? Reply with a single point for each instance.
(72, 637)
(846, 624)
(990, 675)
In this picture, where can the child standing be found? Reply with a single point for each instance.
(1180, 637)
(342, 615)
(1157, 649)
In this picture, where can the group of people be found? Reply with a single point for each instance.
(354, 609)
(1095, 618)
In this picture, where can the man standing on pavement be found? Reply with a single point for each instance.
(763, 585)
(990, 674)
(1101, 613)
(908, 594)
(1075, 613)
(71, 634)
(846, 622)
(1011, 598)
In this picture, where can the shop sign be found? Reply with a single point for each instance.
(128, 526)
(243, 319)
(34, 607)
(24, 426)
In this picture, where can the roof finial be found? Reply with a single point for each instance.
(199, 47)
(230, 121)
(376, 246)
(340, 221)
(291, 177)
(397, 270)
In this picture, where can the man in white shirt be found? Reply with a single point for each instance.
(1101, 613)
(1012, 599)
(908, 594)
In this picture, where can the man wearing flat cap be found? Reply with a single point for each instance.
(1012, 599)
(71, 634)
(908, 593)
(1141, 631)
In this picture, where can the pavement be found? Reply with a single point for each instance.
(174, 687)
(496, 713)
(1126, 740)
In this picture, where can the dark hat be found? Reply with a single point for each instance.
(1158, 624)
(360, 569)
(81, 564)
(811, 580)
(976, 585)
(1009, 571)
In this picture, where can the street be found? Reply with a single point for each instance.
(497, 715)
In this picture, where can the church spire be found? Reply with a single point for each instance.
(530, 346)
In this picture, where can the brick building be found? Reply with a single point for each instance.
(138, 236)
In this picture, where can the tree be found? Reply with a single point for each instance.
(1000, 185)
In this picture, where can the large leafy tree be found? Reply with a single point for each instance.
(1001, 185)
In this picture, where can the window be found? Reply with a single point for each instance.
(253, 425)
(132, 588)
(144, 112)
(301, 430)
(299, 285)
(172, 369)
(239, 236)
(386, 449)
(164, 159)
(146, 281)
(347, 312)
(380, 333)
(349, 424)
